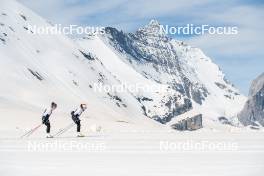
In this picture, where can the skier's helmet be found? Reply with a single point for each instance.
(83, 106)
(53, 105)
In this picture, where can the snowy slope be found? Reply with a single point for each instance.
(194, 83)
(37, 69)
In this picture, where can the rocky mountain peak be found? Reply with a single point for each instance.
(193, 79)
(153, 28)
(153, 23)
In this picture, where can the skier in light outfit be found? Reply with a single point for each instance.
(76, 118)
(45, 117)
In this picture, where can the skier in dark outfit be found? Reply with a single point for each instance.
(45, 117)
(75, 117)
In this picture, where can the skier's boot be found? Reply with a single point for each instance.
(49, 136)
(80, 134)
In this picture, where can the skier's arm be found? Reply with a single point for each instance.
(78, 112)
(47, 113)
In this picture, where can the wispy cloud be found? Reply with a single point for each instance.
(70, 11)
(241, 56)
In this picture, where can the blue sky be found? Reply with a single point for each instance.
(241, 56)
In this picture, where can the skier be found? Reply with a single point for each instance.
(45, 118)
(75, 117)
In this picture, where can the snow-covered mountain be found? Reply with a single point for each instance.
(36, 69)
(253, 111)
(195, 84)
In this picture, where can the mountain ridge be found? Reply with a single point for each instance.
(161, 57)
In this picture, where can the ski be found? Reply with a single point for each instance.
(50, 137)
(80, 135)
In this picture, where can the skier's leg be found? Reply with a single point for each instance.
(74, 118)
(77, 122)
(48, 127)
(79, 134)
(47, 123)
(78, 125)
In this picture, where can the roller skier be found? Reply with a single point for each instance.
(45, 118)
(76, 118)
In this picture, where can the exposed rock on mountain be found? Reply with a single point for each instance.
(193, 81)
(253, 111)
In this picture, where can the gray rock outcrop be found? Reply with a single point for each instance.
(253, 111)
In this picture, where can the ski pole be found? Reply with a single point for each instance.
(63, 130)
(27, 134)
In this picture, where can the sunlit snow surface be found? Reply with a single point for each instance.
(137, 153)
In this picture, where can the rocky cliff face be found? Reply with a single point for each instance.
(185, 69)
(253, 111)
(150, 47)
